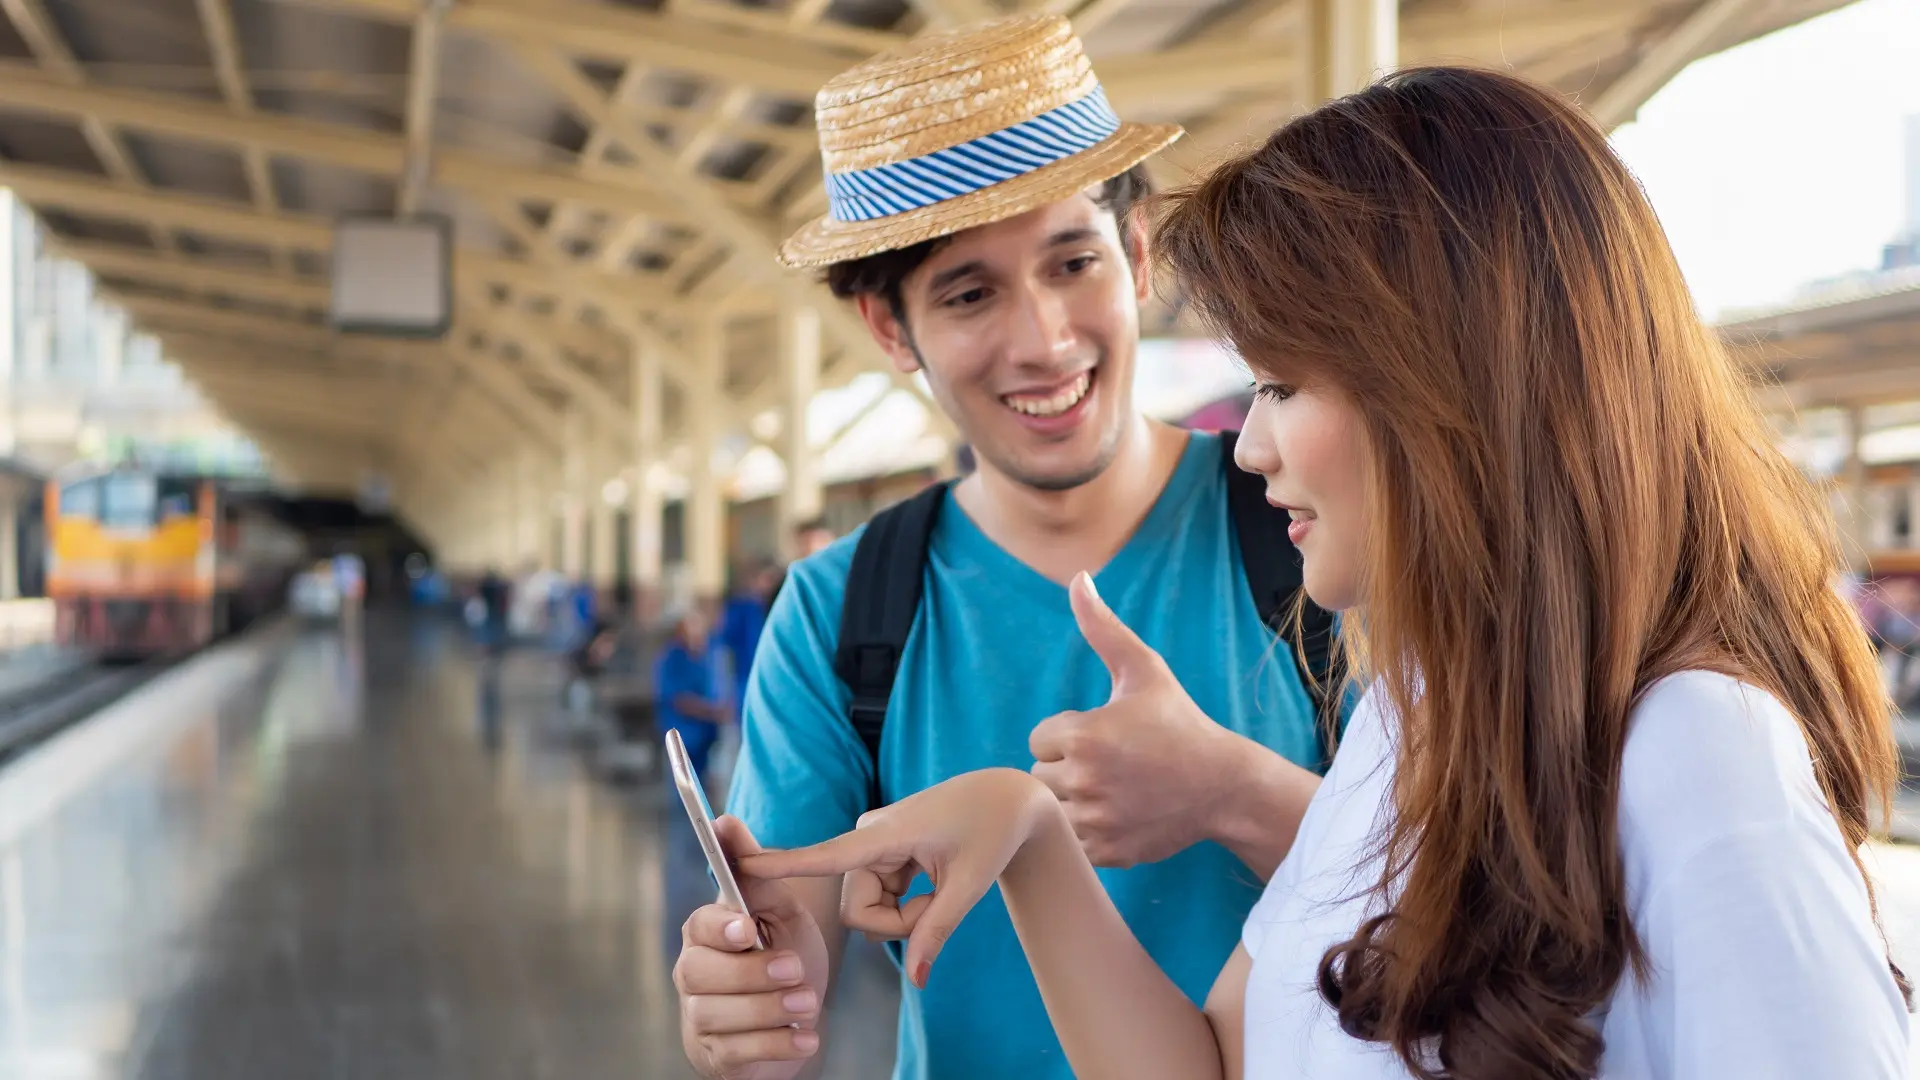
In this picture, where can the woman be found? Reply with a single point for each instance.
(1600, 811)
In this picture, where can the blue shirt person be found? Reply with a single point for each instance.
(688, 695)
(1022, 312)
(741, 623)
(995, 653)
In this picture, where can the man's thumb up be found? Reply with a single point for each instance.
(1133, 666)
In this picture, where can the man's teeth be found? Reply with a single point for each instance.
(1055, 405)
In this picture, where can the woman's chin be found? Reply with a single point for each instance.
(1327, 595)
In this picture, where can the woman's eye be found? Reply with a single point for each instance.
(1272, 391)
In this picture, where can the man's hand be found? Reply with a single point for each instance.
(1147, 774)
(748, 1014)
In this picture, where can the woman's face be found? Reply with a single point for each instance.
(1311, 448)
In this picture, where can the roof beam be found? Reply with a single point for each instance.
(1672, 51)
(422, 86)
(750, 236)
(116, 261)
(590, 393)
(638, 330)
(1492, 32)
(190, 347)
(94, 197)
(941, 14)
(792, 68)
(1143, 80)
(265, 331)
(43, 38)
(335, 144)
(800, 22)
(216, 17)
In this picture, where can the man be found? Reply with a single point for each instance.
(1010, 273)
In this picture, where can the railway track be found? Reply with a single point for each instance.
(68, 693)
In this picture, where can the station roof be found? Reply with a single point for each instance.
(1853, 343)
(612, 170)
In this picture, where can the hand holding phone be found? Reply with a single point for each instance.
(745, 1005)
(693, 795)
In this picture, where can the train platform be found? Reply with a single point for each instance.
(307, 858)
(310, 858)
(26, 625)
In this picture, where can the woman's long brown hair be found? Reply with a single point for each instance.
(1574, 496)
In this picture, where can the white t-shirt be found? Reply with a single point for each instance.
(1766, 962)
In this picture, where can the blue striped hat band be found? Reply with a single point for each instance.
(885, 190)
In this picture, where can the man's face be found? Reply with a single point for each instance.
(1027, 331)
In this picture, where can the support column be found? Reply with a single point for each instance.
(706, 503)
(1852, 509)
(506, 506)
(646, 517)
(1913, 510)
(12, 294)
(535, 506)
(9, 550)
(800, 498)
(1349, 43)
(604, 536)
(573, 534)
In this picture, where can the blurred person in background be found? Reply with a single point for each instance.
(496, 600)
(689, 690)
(350, 576)
(812, 538)
(1898, 634)
(742, 620)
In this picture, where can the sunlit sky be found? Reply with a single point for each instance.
(1782, 161)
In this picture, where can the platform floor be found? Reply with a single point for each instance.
(299, 859)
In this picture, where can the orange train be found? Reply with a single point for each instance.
(142, 562)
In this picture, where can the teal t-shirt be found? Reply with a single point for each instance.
(994, 651)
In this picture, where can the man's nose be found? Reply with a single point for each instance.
(1042, 331)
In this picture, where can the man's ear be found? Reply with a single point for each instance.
(1134, 235)
(889, 332)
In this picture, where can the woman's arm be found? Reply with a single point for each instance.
(1117, 1014)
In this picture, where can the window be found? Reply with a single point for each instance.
(177, 497)
(81, 499)
(128, 501)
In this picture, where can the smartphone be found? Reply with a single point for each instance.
(694, 796)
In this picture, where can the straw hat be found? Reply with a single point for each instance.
(958, 129)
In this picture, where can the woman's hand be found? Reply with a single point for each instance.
(962, 833)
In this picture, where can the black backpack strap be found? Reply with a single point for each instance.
(1272, 566)
(882, 598)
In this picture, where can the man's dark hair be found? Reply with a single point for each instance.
(883, 274)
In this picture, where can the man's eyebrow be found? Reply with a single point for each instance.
(952, 274)
(1073, 236)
